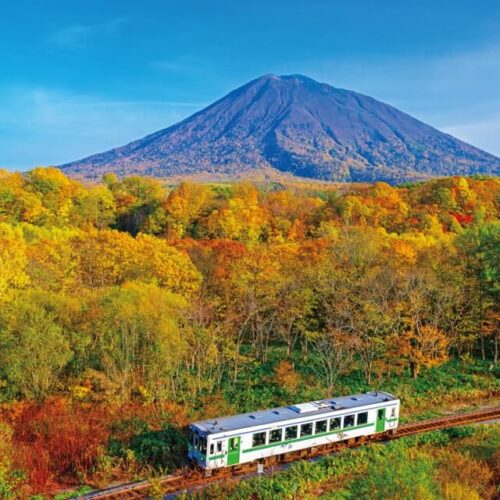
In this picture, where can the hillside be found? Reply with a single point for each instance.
(295, 125)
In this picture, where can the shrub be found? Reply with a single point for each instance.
(9, 480)
(164, 450)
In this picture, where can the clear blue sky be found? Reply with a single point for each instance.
(81, 76)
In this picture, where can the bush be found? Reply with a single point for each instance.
(164, 450)
(8, 480)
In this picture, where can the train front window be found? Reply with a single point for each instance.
(203, 445)
(258, 439)
(291, 432)
(335, 423)
(275, 436)
(349, 421)
(306, 429)
(321, 426)
(362, 418)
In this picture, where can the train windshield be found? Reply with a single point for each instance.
(198, 442)
(203, 445)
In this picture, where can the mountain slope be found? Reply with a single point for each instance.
(295, 125)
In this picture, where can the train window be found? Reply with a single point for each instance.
(334, 423)
(393, 412)
(212, 448)
(291, 432)
(219, 446)
(321, 426)
(362, 418)
(195, 442)
(348, 421)
(276, 435)
(258, 439)
(306, 429)
(203, 445)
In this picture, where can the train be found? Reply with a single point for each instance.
(264, 435)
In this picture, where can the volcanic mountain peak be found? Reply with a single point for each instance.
(295, 125)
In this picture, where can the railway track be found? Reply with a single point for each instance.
(192, 479)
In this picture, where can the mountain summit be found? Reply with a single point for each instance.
(298, 126)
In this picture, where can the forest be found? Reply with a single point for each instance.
(130, 307)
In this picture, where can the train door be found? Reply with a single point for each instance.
(380, 425)
(233, 451)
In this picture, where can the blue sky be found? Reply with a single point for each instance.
(81, 76)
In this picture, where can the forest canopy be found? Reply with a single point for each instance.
(155, 287)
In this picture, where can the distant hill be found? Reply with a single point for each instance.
(295, 125)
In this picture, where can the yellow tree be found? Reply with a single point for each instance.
(94, 206)
(52, 261)
(13, 261)
(242, 218)
(104, 257)
(184, 205)
(423, 346)
(18, 204)
(169, 267)
(57, 191)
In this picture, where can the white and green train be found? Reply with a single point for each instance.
(257, 436)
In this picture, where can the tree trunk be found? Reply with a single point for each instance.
(236, 361)
(414, 370)
(495, 354)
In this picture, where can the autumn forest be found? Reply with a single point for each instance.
(130, 307)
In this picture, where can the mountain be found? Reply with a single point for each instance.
(296, 125)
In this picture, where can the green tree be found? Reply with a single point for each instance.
(33, 349)
(479, 247)
(139, 339)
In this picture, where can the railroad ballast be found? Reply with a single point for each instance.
(256, 436)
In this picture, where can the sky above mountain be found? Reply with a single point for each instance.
(84, 76)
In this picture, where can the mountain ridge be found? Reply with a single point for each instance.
(299, 126)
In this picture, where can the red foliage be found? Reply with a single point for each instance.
(59, 438)
(462, 219)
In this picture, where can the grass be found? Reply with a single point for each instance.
(416, 467)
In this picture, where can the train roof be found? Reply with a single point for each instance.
(275, 415)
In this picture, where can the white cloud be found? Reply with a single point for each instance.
(39, 126)
(78, 36)
(484, 134)
(167, 65)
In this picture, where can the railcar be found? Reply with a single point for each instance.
(261, 435)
